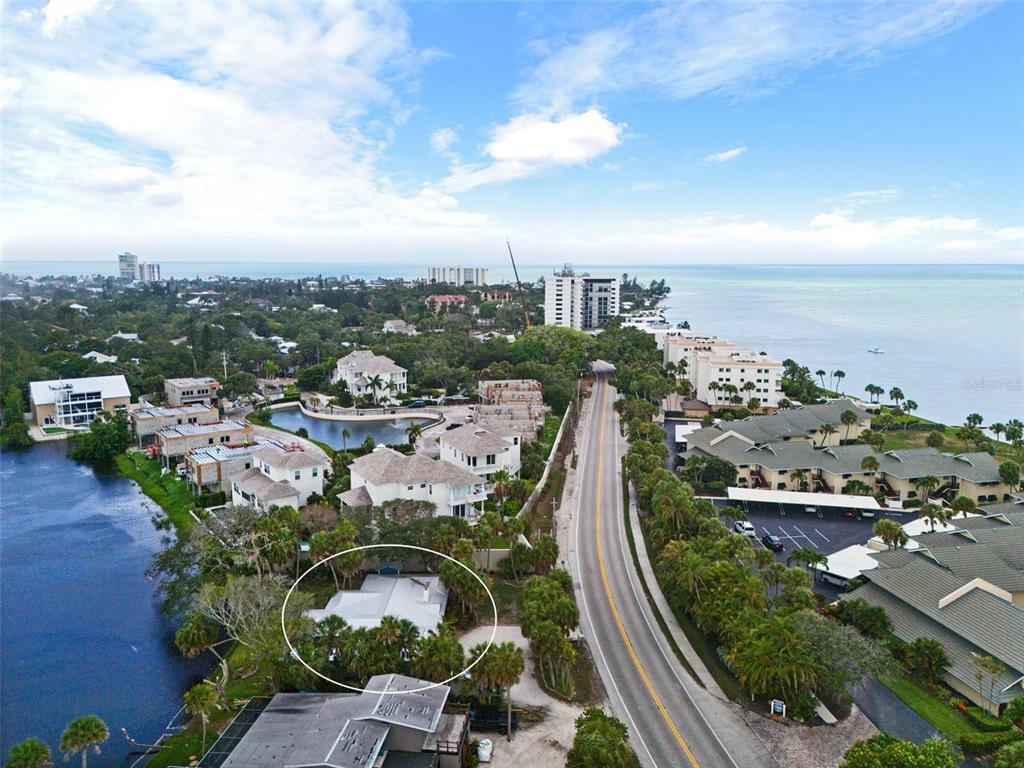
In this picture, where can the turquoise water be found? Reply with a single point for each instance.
(953, 335)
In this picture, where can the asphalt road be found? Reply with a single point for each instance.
(669, 717)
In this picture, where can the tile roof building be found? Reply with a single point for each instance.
(386, 475)
(358, 368)
(482, 451)
(279, 478)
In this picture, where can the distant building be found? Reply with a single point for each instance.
(445, 301)
(495, 295)
(419, 599)
(481, 451)
(148, 273)
(583, 302)
(191, 390)
(358, 369)
(394, 722)
(399, 326)
(72, 403)
(387, 475)
(146, 422)
(716, 366)
(502, 391)
(459, 275)
(99, 357)
(177, 440)
(122, 336)
(131, 269)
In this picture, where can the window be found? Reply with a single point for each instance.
(490, 458)
(408, 487)
(298, 474)
(316, 471)
(210, 441)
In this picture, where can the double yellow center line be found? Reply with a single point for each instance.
(608, 589)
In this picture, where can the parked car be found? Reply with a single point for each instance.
(745, 527)
(453, 426)
(417, 404)
(773, 543)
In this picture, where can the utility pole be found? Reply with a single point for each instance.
(224, 359)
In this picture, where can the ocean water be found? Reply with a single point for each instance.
(952, 335)
(81, 630)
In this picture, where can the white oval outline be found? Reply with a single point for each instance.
(302, 661)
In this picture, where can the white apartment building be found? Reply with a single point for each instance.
(191, 390)
(459, 275)
(583, 302)
(358, 369)
(708, 359)
(386, 475)
(482, 451)
(278, 478)
(130, 268)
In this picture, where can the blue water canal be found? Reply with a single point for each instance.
(80, 630)
(389, 432)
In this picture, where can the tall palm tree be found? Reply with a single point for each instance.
(925, 485)
(933, 513)
(82, 734)
(414, 431)
(30, 753)
(840, 375)
(997, 429)
(713, 388)
(376, 383)
(500, 481)
(848, 419)
(827, 430)
(345, 435)
(503, 666)
(896, 394)
(200, 700)
(869, 463)
(820, 373)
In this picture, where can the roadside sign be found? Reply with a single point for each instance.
(778, 707)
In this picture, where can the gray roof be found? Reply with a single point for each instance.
(262, 487)
(337, 730)
(288, 459)
(356, 497)
(386, 465)
(474, 440)
(164, 411)
(918, 462)
(842, 459)
(1006, 507)
(968, 561)
(909, 624)
(369, 364)
(194, 430)
(792, 422)
(982, 619)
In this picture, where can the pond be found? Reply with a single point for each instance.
(389, 432)
(82, 630)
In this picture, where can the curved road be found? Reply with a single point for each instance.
(672, 721)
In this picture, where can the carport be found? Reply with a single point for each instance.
(763, 499)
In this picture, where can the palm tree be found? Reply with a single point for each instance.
(933, 513)
(799, 477)
(414, 431)
(926, 485)
(857, 488)
(196, 635)
(500, 481)
(545, 552)
(376, 383)
(345, 435)
(200, 700)
(891, 533)
(827, 430)
(974, 419)
(30, 753)
(848, 419)
(81, 734)
(896, 394)
(438, 655)
(821, 375)
(869, 463)
(713, 388)
(840, 375)
(962, 505)
(501, 667)
(997, 429)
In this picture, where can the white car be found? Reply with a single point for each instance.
(745, 527)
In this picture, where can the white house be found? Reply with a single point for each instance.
(122, 336)
(72, 403)
(357, 369)
(254, 489)
(420, 599)
(99, 357)
(386, 475)
(480, 450)
(399, 326)
(300, 470)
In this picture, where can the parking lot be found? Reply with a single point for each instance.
(826, 534)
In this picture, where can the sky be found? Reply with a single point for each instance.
(691, 132)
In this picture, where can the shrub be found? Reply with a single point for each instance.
(212, 499)
(1010, 755)
(912, 503)
(986, 721)
(987, 743)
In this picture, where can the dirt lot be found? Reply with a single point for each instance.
(543, 743)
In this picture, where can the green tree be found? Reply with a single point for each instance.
(30, 753)
(108, 437)
(935, 439)
(885, 751)
(891, 533)
(196, 635)
(413, 431)
(926, 658)
(499, 669)
(1009, 473)
(438, 656)
(925, 485)
(200, 700)
(827, 430)
(601, 741)
(81, 735)
(345, 435)
(15, 431)
(933, 513)
(1010, 756)
(848, 419)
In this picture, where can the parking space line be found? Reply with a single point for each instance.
(822, 535)
(809, 539)
(786, 534)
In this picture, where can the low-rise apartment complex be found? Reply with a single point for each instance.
(73, 403)
(212, 467)
(176, 441)
(191, 390)
(386, 475)
(368, 375)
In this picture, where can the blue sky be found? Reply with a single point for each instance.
(601, 133)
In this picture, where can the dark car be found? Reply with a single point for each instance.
(453, 426)
(773, 543)
(417, 404)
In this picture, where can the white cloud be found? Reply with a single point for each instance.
(9, 89)
(65, 13)
(442, 141)
(121, 178)
(680, 50)
(726, 155)
(531, 143)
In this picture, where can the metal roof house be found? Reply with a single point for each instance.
(72, 403)
(421, 599)
(390, 724)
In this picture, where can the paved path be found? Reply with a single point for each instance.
(672, 721)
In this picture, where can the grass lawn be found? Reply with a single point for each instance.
(168, 491)
(935, 711)
(59, 431)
